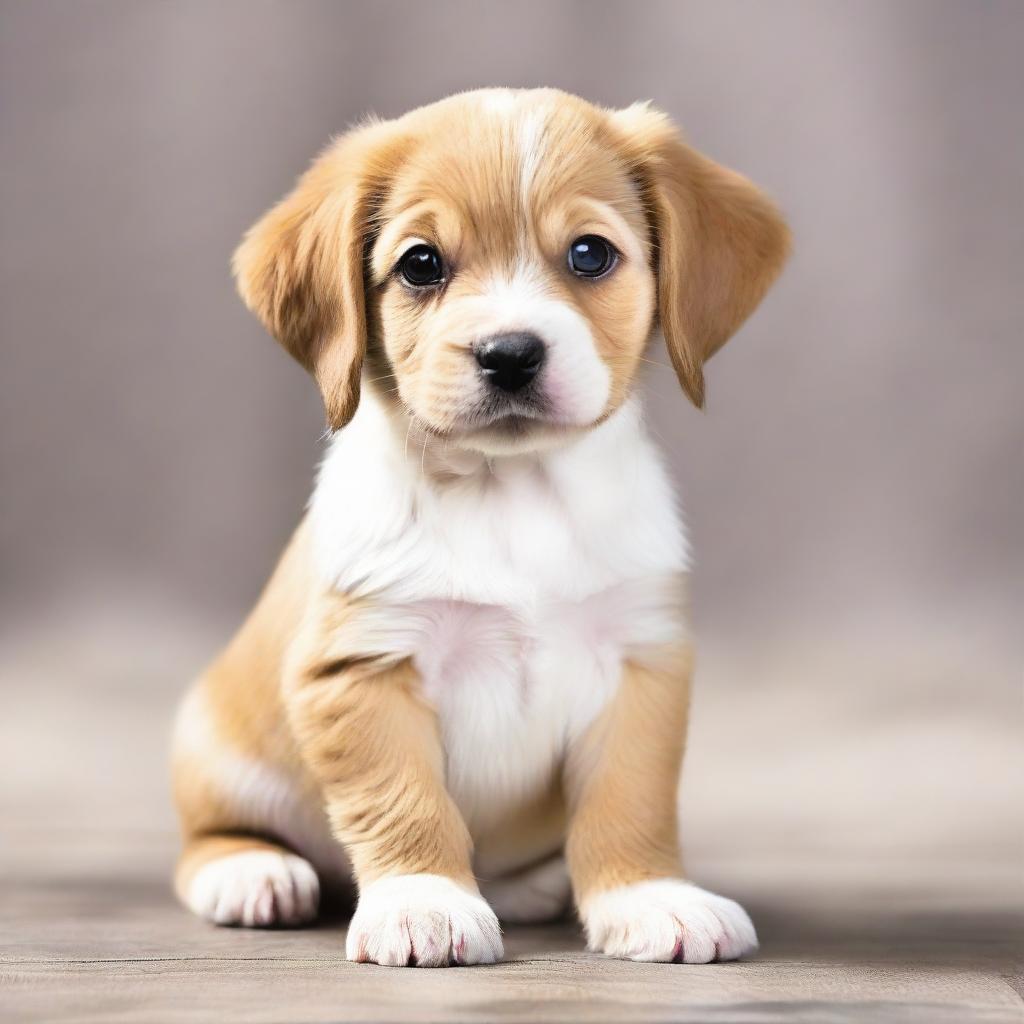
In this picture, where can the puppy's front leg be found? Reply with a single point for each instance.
(623, 847)
(373, 745)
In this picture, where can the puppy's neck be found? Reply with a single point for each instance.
(424, 521)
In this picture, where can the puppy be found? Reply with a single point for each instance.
(465, 686)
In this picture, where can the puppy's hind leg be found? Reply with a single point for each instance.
(540, 893)
(243, 880)
(243, 819)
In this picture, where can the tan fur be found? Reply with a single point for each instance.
(300, 269)
(623, 780)
(721, 242)
(241, 693)
(284, 695)
(373, 746)
(353, 736)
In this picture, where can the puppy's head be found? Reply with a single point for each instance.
(499, 261)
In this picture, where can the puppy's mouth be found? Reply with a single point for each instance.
(500, 424)
(510, 415)
(514, 425)
(511, 427)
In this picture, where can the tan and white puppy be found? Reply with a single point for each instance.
(466, 684)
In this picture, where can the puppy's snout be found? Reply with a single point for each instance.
(510, 361)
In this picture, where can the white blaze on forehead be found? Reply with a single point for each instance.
(530, 136)
(526, 120)
(575, 379)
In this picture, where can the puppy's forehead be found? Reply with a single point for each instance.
(500, 157)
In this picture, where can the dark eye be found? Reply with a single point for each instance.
(591, 256)
(421, 266)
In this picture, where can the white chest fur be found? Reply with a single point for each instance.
(517, 585)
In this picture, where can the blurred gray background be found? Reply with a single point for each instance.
(855, 488)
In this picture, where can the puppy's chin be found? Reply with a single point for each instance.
(517, 435)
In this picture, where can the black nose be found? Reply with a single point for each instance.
(510, 361)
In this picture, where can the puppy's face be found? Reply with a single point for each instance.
(499, 259)
(511, 288)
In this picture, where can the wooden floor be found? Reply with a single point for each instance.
(882, 892)
(114, 947)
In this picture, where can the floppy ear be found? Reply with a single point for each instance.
(300, 267)
(720, 242)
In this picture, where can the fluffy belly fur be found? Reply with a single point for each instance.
(514, 688)
(511, 690)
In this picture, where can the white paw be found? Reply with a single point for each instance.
(425, 921)
(667, 921)
(256, 889)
